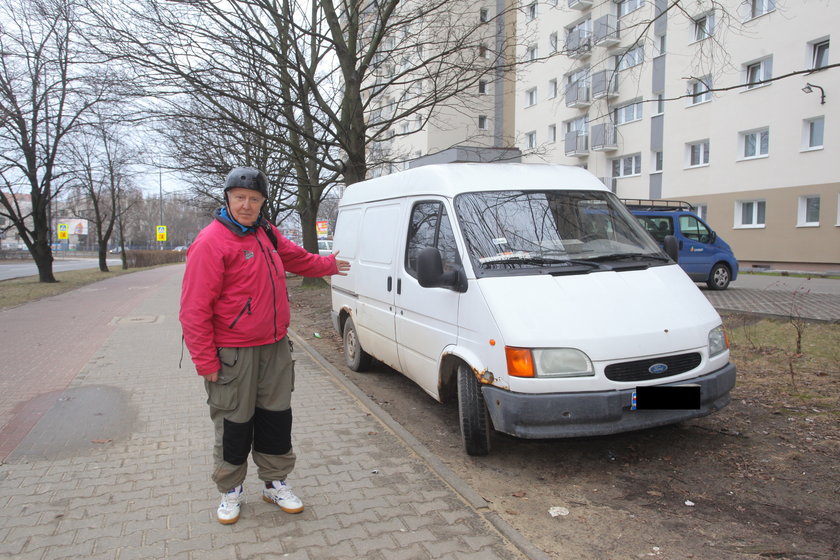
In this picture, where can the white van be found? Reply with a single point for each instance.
(529, 292)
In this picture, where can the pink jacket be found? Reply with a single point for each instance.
(234, 290)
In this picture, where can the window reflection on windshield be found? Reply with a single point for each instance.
(538, 228)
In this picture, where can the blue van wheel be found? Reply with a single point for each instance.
(475, 421)
(719, 277)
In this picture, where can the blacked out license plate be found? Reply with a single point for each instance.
(671, 397)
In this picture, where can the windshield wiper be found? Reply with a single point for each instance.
(516, 259)
(633, 256)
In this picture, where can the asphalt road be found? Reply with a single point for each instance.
(21, 269)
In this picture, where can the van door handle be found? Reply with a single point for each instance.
(390, 281)
(399, 286)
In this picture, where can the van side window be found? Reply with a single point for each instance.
(430, 227)
(692, 228)
(657, 226)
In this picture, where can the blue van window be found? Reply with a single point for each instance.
(692, 228)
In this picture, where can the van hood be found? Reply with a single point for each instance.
(607, 314)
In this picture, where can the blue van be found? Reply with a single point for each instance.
(703, 255)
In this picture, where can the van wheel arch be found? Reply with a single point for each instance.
(719, 277)
(355, 357)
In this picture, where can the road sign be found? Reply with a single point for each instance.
(161, 233)
(62, 231)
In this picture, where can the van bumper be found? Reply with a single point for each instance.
(555, 415)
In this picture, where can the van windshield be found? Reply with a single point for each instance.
(555, 228)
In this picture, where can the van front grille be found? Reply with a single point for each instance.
(653, 368)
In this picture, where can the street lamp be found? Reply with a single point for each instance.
(809, 88)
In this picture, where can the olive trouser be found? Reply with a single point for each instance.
(250, 406)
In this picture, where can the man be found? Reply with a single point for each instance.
(235, 317)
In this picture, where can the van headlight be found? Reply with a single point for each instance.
(718, 341)
(548, 362)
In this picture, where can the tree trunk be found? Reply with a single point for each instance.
(43, 260)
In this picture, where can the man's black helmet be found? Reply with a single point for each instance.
(247, 178)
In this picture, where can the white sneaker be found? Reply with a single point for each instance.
(228, 512)
(279, 493)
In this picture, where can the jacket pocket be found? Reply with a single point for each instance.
(245, 309)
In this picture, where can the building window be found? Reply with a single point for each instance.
(482, 51)
(552, 42)
(628, 113)
(698, 153)
(659, 45)
(531, 53)
(552, 133)
(482, 86)
(704, 26)
(702, 210)
(630, 58)
(627, 166)
(749, 213)
(755, 143)
(700, 90)
(531, 97)
(532, 11)
(660, 104)
(761, 7)
(627, 6)
(812, 133)
(758, 73)
(656, 162)
(483, 15)
(482, 122)
(531, 139)
(552, 88)
(820, 55)
(808, 213)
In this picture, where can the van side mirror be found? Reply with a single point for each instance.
(430, 272)
(672, 248)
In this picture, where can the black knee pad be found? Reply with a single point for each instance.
(273, 431)
(236, 441)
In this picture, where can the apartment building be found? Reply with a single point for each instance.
(731, 105)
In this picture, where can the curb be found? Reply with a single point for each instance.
(464, 491)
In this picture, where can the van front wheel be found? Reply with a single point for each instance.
(719, 277)
(355, 358)
(472, 411)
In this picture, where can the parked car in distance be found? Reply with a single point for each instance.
(325, 247)
(180, 248)
(703, 255)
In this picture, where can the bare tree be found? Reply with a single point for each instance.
(46, 90)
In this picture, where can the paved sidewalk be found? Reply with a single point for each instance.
(118, 466)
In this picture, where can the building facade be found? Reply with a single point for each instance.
(731, 105)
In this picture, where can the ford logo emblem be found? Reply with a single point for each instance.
(658, 368)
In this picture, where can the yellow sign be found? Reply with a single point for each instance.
(161, 233)
(62, 231)
(322, 227)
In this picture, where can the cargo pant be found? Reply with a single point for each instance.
(250, 406)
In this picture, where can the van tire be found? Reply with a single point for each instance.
(355, 358)
(719, 277)
(476, 426)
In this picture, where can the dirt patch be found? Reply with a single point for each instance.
(760, 479)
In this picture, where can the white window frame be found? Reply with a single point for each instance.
(552, 133)
(483, 122)
(808, 128)
(702, 210)
(482, 87)
(530, 97)
(628, 166)
(531, 11)
(760, 7)
(552, 88)
(820, 51)
(630, 58)
(531, 53)
(744, 138)
(659, 107)
(626, 7)
(838, 210)
(763, 70)
(483, 15)
(757, 207)
(531, 139)
(656, 162)
(700, 91)
(704, 27)
(553, 43)
(701, 150)
(802, 206)
(630, 112)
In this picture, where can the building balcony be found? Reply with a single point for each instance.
(577, 143)
(577, 95)
(580, 4)
(604, 84)
(606, 31)
(578, 43)
(604, 137)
